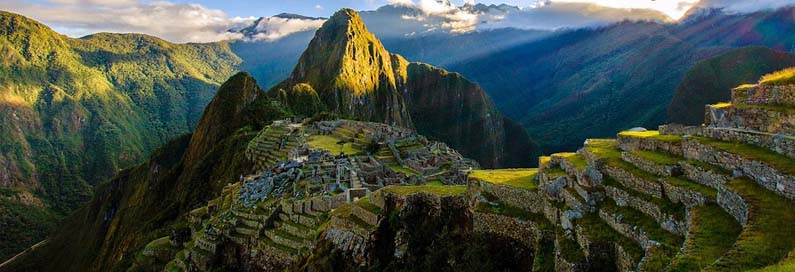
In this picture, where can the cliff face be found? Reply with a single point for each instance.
(355, 77)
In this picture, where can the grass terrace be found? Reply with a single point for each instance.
(332, 144)
(692, 186)
(515, 212)
(667, 207)
(555, 172)
(400, 169)
(786, 76)
(776, 108)
(576, 159)
(658, 157)
(651, 134)
(721, 105)
(597, 230)
(434, 182)
(778, 161)
(543, 161)
(746, 86)
(650, 226)
(712, 233)
(768, 237)
(520, 178)
(367, 205)
(436, 190)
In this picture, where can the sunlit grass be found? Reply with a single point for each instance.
(520, 178)
(651, 134)
(786, 76)
(332, 144)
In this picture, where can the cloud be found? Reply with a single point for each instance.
(319, 7)
(557, 15)
(170, 21)
(274, 28)
(745, 6)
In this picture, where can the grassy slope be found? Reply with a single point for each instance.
(106, 100)
(710, 81)
(593, 83)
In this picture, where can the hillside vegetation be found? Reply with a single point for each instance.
(76, 111)
(710, 81)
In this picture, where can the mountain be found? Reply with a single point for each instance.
(353, 75)
(710, 81)
(594, 82)
(76, 111)
(146, 201)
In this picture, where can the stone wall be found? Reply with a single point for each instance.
(767, 176)
(624, 262)
(350, 243)
(517, 197)
(765, 95)
(751, 118)
(650, 166)
(649, 187)
(628, 143)
(666, 221)
(365, 215)
(681, 195)
(734, 204)
(527, 232)
(627, 230)
(704, 176)
(778, 143)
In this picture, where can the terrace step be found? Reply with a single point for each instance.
(712, 233)
(650, 140)
(658, 163)
(763, 118)
(569, 254)
(767, 237)
(779, 143)
(773, 171)
(660, 244)
(596, 237)
(669, 215)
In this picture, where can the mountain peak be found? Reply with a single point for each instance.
(347, 65)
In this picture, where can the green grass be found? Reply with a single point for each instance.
(778, 161)
(515, 212)
(576, 159)
(332, 144)
(520, 178)
(555, 172)
(782, 77)
(776, 108)
(367, 205)
(658, 157)
(712, 233)
(746, 86)
(569, 249)
(650, 226)
(597, 230)
(436, 190)
(604, 149)
(768, 236)
(667, 207)
(434, 182)
(651, 134)
(400, 169)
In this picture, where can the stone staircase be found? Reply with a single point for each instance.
(272, 145)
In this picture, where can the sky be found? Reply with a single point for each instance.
(206, 21)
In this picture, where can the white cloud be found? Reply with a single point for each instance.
(170, 21)
(556, 15)
(319, 7)
(746, 5)
(274, 28)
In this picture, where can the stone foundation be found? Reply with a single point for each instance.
(524, 199)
